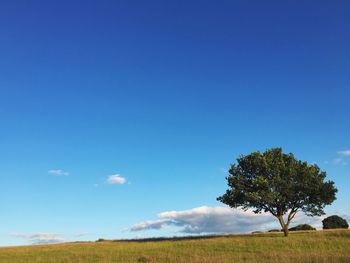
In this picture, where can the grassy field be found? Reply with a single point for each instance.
(314, 246)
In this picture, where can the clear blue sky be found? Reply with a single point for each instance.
(166, 94)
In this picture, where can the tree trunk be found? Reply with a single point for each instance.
(285, 230)
(284, 225)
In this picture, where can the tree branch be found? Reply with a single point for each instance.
(292, 215)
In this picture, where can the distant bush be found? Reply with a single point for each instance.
(334, 222)
(274, 230)
(302, 227)
(100, 240)
(257, 232)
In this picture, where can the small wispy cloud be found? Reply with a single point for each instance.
(339, 161)
(344, 153)
(81, 234)
(116, 179)
(58, 172)
(223, 170)
(41, 238)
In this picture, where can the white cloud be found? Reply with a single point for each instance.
(41, 238)
(58, 172)
(345, 152)
(220, 219)
(116, 179)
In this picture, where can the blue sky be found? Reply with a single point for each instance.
(165, 94)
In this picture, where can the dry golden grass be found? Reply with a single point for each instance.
(314, 246)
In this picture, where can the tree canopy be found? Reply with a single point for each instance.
(278, 183)
(334, 222)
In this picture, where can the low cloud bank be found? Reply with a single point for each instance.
(41, 238)
(219, 220)
(205, 219)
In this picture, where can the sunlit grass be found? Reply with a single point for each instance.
(313, 246)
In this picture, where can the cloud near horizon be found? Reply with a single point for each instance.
(41, 238)
(116, 179)
(219, 220)
(81, 234)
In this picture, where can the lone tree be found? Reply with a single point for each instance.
(334, 222)
(278, 183)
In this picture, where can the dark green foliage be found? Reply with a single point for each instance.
(278, 183)
(302, 227)
(274, 230)
(334, 222)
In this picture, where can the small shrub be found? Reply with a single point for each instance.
(302, 227)
(142, 259)
(334, 221)
(274, 230)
